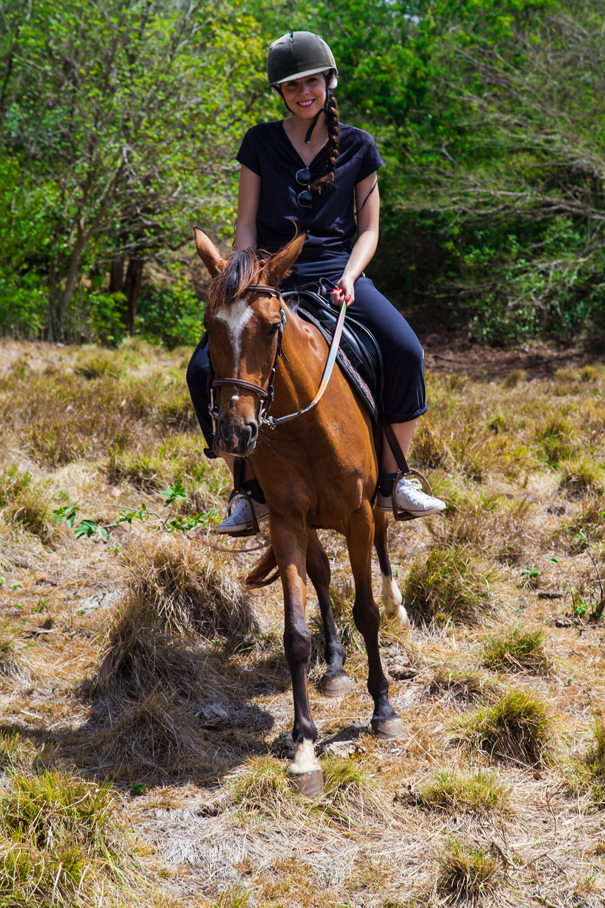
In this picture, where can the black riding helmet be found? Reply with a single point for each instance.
(299, 54)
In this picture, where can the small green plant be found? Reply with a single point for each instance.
(464, 792)
(517, 728)
(517, 650)
(467, 872)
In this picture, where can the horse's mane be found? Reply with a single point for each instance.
(242, 269)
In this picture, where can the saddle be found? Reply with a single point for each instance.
(358, 355)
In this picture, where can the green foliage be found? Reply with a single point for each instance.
(518, 728)
(464, 791)
(171, 315)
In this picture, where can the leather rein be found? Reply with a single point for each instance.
(266, 394)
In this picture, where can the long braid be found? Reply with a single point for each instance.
(331, 114)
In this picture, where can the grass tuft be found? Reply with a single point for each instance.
(464, 792)
(141, 656)
(589, 772)
(581, 475)
(450, 585)
(154, 736)
(59, 843)
(516, 729)
(517, 650)
(189, 592)
(467, 873)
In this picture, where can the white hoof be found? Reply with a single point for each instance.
(304, 759)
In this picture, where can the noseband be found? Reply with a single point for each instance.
(265, 394)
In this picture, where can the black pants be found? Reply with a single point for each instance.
(404, 393)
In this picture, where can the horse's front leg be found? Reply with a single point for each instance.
(289, 539)
(385, 721)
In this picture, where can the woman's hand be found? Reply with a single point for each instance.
(345, 291)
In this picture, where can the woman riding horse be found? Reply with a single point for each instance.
(301, 174)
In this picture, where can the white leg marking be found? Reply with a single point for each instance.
(304, 759)
(236, 317)
(391, 601)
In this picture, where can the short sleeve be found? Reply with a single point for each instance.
(371, 160)
(248, 153)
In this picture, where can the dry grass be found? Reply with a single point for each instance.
(141, 656)
(189, 591)
(588, 773)
(451, 585)
(154, 736)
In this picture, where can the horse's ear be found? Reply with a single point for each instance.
(279, 264)
(208, 252)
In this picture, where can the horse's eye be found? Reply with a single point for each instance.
(273, 330)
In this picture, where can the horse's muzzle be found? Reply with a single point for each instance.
(237, 439)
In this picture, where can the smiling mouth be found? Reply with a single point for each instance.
(306, 103)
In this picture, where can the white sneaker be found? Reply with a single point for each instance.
(238, 521)
(411, 498)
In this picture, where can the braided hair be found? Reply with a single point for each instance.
(331, 114)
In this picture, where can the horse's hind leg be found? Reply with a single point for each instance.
(385, 721)
(335, 681)
(391, 594)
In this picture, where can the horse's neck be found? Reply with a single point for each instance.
(300, 370)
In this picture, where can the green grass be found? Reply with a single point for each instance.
(450, 585)
(517, 728)
(60, 843)
(517, 650)
(464, 792)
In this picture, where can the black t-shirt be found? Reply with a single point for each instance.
(268, 152)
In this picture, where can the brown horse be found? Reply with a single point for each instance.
(317, 470)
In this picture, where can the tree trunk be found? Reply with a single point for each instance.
(132, 287)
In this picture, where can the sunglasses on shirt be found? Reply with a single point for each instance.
(303, 178)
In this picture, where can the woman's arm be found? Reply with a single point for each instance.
(363, 251)
(247, 207)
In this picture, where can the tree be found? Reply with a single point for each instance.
(130, 112)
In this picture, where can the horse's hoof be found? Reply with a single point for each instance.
(336, 685)
(308, 784)
(389, 729)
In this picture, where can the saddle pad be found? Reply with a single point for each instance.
(358, 354)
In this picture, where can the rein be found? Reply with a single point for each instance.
(266, 394)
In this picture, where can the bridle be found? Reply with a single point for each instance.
(266, 394)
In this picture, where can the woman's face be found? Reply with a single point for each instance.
(305, 97)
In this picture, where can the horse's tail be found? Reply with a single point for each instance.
(259, 575)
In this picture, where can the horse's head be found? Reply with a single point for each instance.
(244, 321)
